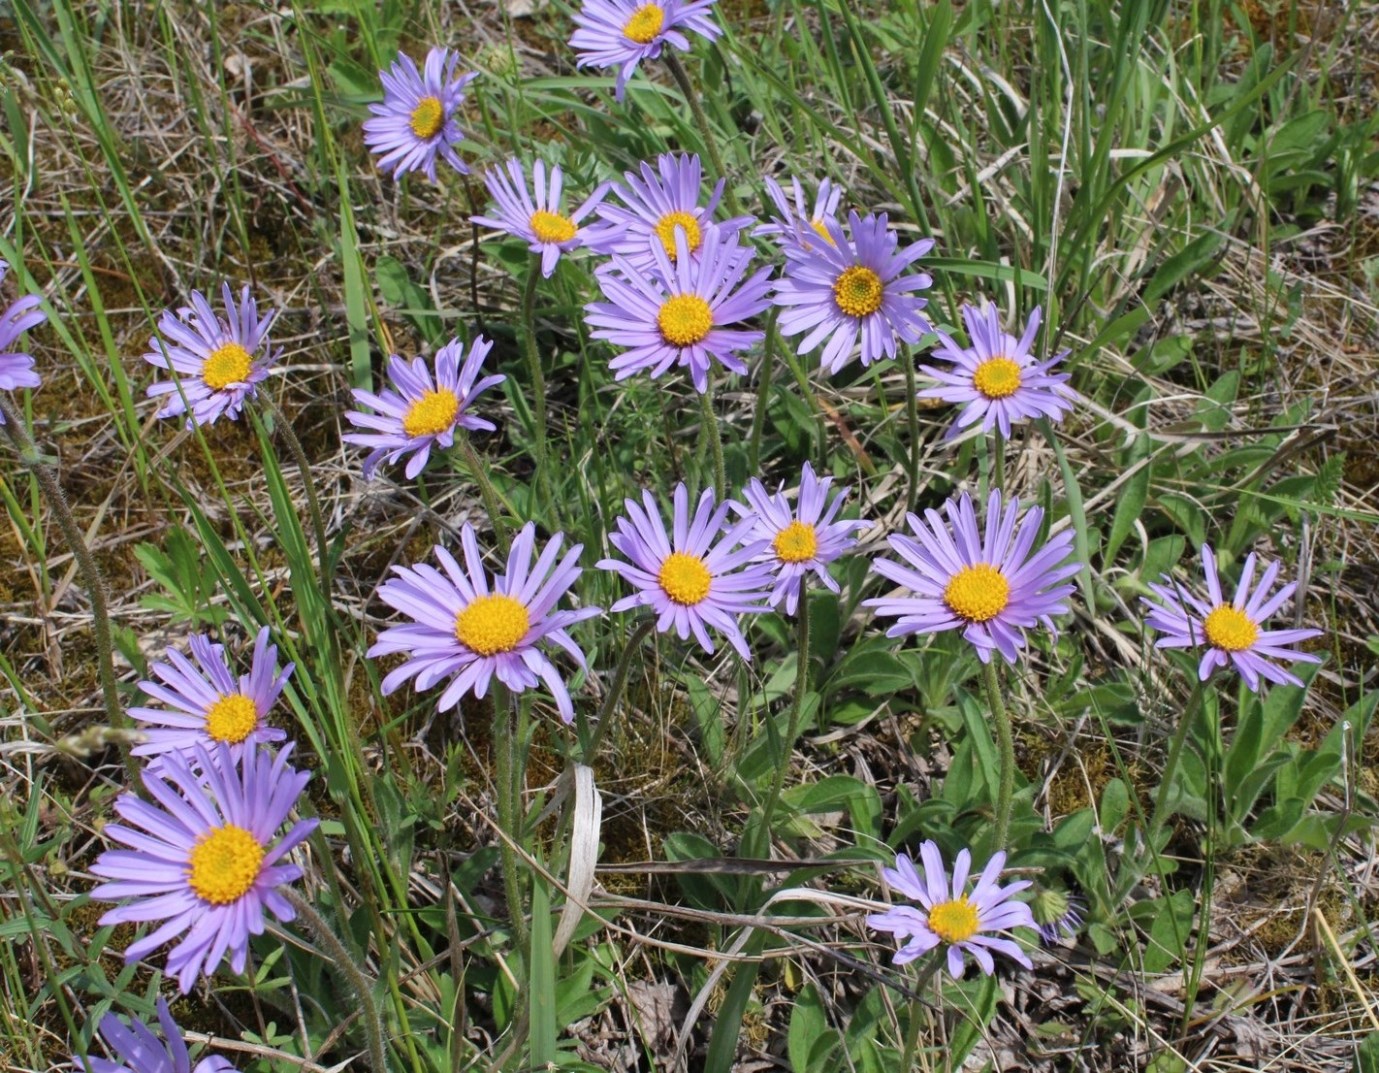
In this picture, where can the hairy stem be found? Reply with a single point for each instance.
(1006, 742)
(710, 422)
(701, 120)
(912, 421)
(616, 686)
(792, 728)
(768, 361)
(538, 383)
(509, 793)
(486, 491)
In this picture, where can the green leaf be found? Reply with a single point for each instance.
(541, 1000)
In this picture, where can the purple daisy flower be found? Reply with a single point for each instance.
(681, 314)
(953, 916)
(208, 705)
(16, 368)
(465, 631)
(424, 411)
(139, 1050)
(205, 864)
(1231, 631)
(654, 207)
(851, 288)
(795, 217)
(1057, 915)
(622, 33)
(800, 539)
(989, 585)
(995, 380)
(692, 577)
(415, 123)
(215, 363)
(542, 224)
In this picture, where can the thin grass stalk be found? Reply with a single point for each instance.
(715, 441)
(792, 728)
(701, 120)
(1005, 741)
(538, 383)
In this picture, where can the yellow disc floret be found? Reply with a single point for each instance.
(997, 378)
(431, 414)
(665, 231)
(1230, 628)
(492, 624)
(645, 24)
(977, 593)
(684, 578)
(231, 718)
(857, 291)
(796, 543)
(684, 319)
(227, 364)
(428, 117)
(955, 921)
(224, 864)
(551, 227)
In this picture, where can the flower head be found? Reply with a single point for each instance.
(953, 916)
(800, 539)
(215, 363)
(548, 230)
(1057, 914)
(681, 314)
(424, 410)
(622, 33)
(208, 705)
(655, 205)
(467, 630)
(204, 860)
(795, 218)
(989, 584)
(17, 369)
(1233, 632)
(139, 1051)
(415, 123)
(996, 380)
(695, 576)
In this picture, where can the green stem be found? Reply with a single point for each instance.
(768, 361)
(318, 525)
(720, 480)
(792, 728)
(701, 120)
(998, 465)
(907, 1060)
(344, 963)
(91, 575)
(509, 792)
(912, 421)
(1175, 752)
(616, 686)
(812, 401)
(486, 491)
(538, 381)
(1006, 742)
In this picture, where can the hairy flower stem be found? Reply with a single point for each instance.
(912, 421)
(486, 491)
(998, 465)
(344, 963)
(509, 793)
(1005, 741)
(30, 456)
(538, 383)
(701, 120)
(792, 728)
(318, 525)
(616, 686)
(907, 1060)
(768, 362)
(1175, 752)
(720, 480)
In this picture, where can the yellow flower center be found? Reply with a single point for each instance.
(955, 921)
(977, 593)
(684, 578)
(1231, 629)
(224, 864)
(231, 718)
(684, 319)
(551, 227)
(645, 24)
(492, 624)
(858, 291)
(227, 364)
(821, 229)
(665, 231)
(997, 378)
(427, 118)
(431, 414)
(796, 543)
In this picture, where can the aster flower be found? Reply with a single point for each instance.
(794, 217)
(467, 631)
(1057, 915)
(207, 704)
(695, 576)
(215, 363)
(139, 1050)
(17, 369)
(654, 206)
(622, 33)
(988, 584)
(415, 123)
(996, 380)
(853, 287)
(425, 410)
(204, 860)
(801, 539)
(543, 225)
(1232, 631)
(681, 314)
(953, 916)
